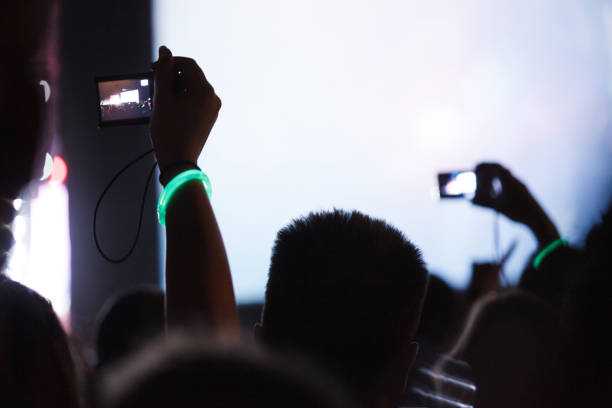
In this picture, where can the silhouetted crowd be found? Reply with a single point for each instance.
(351, 316)
(125, 111)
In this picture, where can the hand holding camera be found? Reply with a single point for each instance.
(500, 190)
(185, 109)
(493, 186)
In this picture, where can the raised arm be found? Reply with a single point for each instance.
(511, 197)
(198, 281)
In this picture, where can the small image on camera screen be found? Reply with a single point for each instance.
(458, 184)
(125, 101)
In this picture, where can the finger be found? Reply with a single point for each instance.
(163, 68)
(490, 168)
(164, 52)
(191, 75)
(483, 200)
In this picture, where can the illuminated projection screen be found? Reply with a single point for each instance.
(359, 104)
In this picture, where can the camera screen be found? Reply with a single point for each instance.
(458, 184)
(126, 100)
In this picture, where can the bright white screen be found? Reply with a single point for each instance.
(358, 104)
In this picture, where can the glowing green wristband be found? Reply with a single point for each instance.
(547, 250)
(174, 185)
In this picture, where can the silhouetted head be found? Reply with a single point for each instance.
(511, 343)
(187, 371)
(599, 242)
(127, 322)
(587, 318)
(347, 290)
(27, 45)
(555, 274)
(36, 368)
(440, 312)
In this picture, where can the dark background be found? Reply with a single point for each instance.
(98, 39)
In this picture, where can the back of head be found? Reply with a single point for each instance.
(511, 342)
(587, 317)
(127, 322)
(440, 313)
(345, 289)
(553, 276)
(186, 370)
(36, 368)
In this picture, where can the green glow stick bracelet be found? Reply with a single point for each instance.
(175, 184)
(547, 250)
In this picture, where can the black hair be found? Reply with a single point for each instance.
(511, 343)
(346, 289)
(127, 322)
(188, 370)
(36, 366)
(586, 320)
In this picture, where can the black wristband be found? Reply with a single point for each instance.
(178, 165)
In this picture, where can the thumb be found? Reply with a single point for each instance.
(163, 73)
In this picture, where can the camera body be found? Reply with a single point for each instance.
(468, 184)
(457, 184)
(125, 99)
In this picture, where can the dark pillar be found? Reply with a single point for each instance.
(104, 38)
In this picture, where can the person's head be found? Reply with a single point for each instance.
(510, 342)
(127, 322)
(347, 290)
(36, 368)
(27, 44)
(440, 312)
(555, 274)
(187, 370)
(586, 318)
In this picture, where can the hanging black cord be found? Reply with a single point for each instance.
(142, 204)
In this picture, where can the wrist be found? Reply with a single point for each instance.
(547, 250)
(170, 171)
(167, 157)
(175, 184)
(543, 229)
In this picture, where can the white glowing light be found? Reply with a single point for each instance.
(49, 269)
(41, 259)
(115, 100)
(48, 167)
(19, 227)
(19, 258)
(144, 82)
(130, 96)
(464, 183)
(441, 398)
(453, 380)
(394, 94)
(123, 97)
(17, 204)
(47, 89)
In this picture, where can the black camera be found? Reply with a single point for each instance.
(469, 184)
(125, 99)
